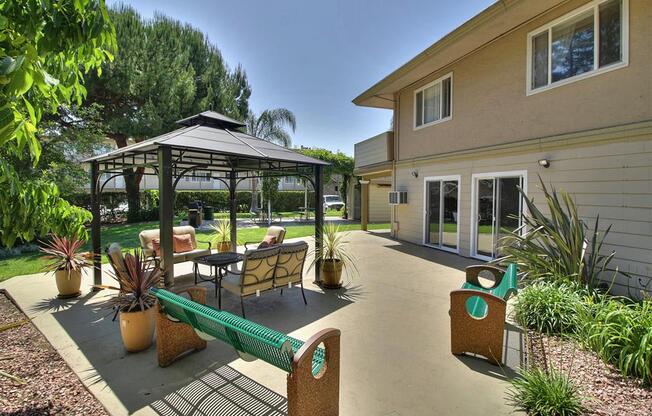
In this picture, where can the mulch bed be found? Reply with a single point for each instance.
(45, 385)
(605, 391)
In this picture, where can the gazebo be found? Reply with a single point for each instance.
(211, 143)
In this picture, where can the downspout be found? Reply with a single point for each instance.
(394, 216)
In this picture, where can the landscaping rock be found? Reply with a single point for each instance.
(604, 390)
(41, 383)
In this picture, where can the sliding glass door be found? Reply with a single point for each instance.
(497, 208)
(441, 212)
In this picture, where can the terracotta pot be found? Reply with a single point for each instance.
(223, 247)
(331, 273)
(137, 329)
(68, 284)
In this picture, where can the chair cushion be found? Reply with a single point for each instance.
(182, 243)
(278, 232)
(268, 241)
(232, 280)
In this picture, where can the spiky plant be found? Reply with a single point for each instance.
(139, 275)
(221, 232)
(335, 249)
(558, 246)
(64, 253)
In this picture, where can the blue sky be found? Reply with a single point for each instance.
(314, 57)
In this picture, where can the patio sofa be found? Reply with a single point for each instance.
(147, 238)
(313, 380)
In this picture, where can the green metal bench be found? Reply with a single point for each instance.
(505, 285)
(305, 362)
(478, 312)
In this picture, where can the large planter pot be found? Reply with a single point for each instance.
(68, 284)
(331, 274)
(137, 329)
(224, 247)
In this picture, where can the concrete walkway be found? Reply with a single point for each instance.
(395, 343)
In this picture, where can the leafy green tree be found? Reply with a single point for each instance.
(341, 164)
(164, 71)
(46, 49)
(270, 125)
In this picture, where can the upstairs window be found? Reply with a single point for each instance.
(585, 42)
(433, 102)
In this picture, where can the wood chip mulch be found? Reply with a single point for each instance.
(34, 379)
(604, 390)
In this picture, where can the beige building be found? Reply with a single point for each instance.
(527, 88)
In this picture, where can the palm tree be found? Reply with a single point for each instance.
(270, 125)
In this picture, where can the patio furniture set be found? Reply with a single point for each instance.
(184, 325)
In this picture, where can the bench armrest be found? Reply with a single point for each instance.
(473, 272)
(302, 360)
(496, 307)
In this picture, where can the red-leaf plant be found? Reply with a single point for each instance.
(64, 254)
(135, 279)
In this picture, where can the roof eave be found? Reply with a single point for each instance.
(374, 96)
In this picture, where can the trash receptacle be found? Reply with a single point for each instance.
(193, 218)
(208, 213)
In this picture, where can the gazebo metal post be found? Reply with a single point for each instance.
(95, 224)
(233, 210)
(166, 213)
(319, 217)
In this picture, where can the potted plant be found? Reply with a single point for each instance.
(334, 257)
(134, 303)
(67, 264)
(222, 235)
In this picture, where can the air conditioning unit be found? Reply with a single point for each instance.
(397, 197)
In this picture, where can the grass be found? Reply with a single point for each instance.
(545, 393)
(127, 236)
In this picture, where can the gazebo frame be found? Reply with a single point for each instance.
(212, 144)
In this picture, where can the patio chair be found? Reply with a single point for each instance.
(274, 235)
(256, 275)
(313, 380)
(478, 313)
(289, 267)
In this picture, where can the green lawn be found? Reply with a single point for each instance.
(127, 236)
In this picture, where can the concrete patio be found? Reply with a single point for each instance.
(395, 345)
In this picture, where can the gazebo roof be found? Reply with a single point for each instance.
(211, 142)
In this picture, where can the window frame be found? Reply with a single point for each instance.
(595, 5)
(423, 88)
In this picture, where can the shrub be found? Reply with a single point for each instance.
(561, 245)
(620, 333)
(545, 393)
(549, 307)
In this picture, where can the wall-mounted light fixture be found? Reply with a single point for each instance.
(415, 173)
(544, 162)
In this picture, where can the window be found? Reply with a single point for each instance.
(433, 102)
(570, 48)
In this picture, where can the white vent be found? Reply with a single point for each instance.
(397, 197)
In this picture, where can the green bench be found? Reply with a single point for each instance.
(478, 312)
(505, 285)
(184, 324)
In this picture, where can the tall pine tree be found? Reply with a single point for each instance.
(164, 71)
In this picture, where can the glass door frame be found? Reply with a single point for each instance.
(475, 178)
(426, 220)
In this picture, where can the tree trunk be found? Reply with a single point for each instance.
(132, 182)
